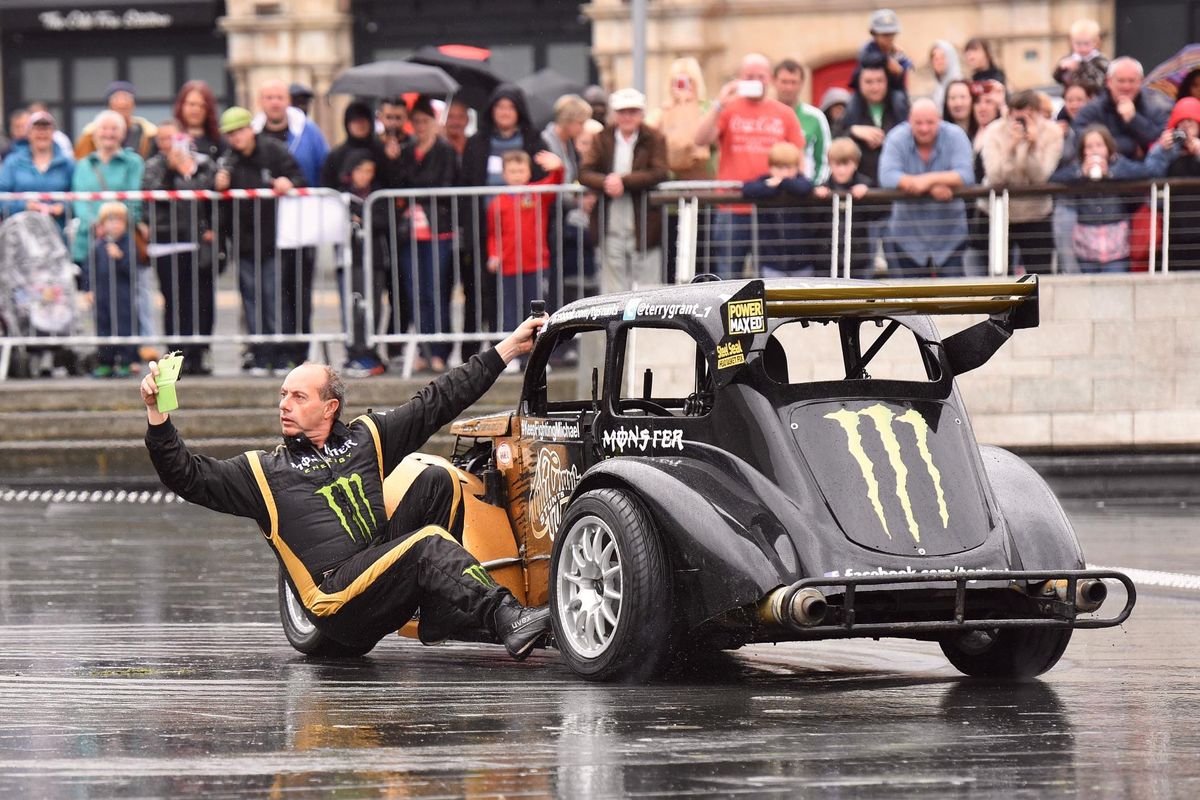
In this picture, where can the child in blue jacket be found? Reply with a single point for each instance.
(783, 231)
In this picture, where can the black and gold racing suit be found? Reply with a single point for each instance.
(359, 576)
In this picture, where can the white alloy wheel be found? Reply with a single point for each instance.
(296, 617)
(590, 581)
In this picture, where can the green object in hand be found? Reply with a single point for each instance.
(168, 372)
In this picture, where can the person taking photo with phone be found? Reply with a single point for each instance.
(744, 123)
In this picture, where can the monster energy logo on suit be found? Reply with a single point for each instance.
(349, 502)
(480, 574)
(884, 420)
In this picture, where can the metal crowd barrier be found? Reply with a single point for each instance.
(425, 265)
(253, 244)
(412, 278)
(720, 232)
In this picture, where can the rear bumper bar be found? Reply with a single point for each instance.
(1053, 613)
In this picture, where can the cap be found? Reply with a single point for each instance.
(834, 95)
(41, 118)
(119, 86)
(624, 99)
(235, 118)
(885, 21)
(299, 90)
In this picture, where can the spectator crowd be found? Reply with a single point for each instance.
(923, 130)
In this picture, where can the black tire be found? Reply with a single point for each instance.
(1006, 653)
(304, 636)
(634, 642)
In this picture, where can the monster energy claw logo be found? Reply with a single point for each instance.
(349, 502)
(883, 418)
(480, 574)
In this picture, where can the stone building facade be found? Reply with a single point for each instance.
(64, 52)
(1028, 36)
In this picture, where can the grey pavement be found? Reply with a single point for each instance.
(141, 656)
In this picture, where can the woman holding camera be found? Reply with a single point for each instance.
(678, 120)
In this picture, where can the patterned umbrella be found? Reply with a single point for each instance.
(1167, 76)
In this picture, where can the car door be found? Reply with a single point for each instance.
(552, 443)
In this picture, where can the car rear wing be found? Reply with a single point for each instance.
(1009, 305)
(1016, 300)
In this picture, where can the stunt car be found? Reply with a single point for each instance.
(765, 461)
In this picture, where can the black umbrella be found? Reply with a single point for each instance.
(476, 79)
(542, 89)
(392, 78)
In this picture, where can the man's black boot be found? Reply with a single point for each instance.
(519, 627)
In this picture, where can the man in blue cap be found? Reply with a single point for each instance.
(139, 132)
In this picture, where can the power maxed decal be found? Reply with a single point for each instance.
(744, 317)
(553, 484)
(884, 420)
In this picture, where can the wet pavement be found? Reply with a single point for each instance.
(141, 656)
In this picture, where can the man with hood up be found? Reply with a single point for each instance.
(359, 122)
(505, 125)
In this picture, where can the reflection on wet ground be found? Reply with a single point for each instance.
(141, 656)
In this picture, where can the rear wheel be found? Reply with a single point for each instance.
(610, 590)
(303, 635)
(1006, 653)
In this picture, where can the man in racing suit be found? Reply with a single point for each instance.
(318, 499)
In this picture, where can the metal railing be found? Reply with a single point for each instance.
(412, 276)
(70, 281)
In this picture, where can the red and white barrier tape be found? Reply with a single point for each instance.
(163, 194)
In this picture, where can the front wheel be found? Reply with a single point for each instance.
(1006, 653)
(610, 590)
(303, 635)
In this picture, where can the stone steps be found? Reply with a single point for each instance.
(55, 462)
(84, 430)
(87, 394)
(85, 427)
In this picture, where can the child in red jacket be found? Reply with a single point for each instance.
(517, 244)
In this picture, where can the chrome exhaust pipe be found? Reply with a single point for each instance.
(805, 608)
(1090, 593)
(808, 607)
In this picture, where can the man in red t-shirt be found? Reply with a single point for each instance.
(745, 123)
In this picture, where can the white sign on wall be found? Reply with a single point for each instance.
(104, 20)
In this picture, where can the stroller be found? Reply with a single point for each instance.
(37, 292)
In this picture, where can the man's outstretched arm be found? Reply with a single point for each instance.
(407, 428)
(227, 485)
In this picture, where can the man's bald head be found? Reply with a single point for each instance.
(310, 401)
(273, 99)
(755, 67)
(324, 380)
(923, 118)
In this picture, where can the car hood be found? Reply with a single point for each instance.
(899, 477)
